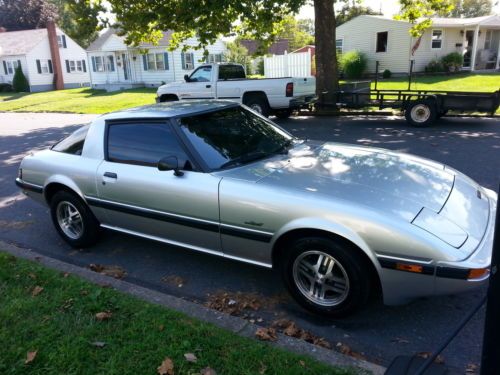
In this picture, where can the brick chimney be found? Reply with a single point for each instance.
(56, 58)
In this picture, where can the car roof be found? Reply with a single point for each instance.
(171, 109)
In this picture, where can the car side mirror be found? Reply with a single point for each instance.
(170, 163)
(186, 78)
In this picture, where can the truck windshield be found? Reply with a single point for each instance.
(234, 136)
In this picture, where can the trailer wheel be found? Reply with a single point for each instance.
(421, 113)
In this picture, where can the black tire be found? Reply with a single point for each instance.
(442, 113)
(354, 268)
(258, 104)
(284, 113)
(90, 226)
(421, 113)
(168, 98)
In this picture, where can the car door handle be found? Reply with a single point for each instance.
(208, 86)
(110, 175)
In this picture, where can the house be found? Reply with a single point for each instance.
(279, 47)
(116, 66)
(48, 57)
(389, 42)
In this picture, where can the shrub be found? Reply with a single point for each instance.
(452, 62)
(387, 74)
(19, 82)
(353, 64)
(5, 87)
(434, 66)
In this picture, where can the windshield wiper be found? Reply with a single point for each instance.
(283, 149)
(246, 158)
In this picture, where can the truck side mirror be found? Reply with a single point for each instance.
(170, 163)
(186, 78)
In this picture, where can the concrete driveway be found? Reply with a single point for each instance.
(379, 332)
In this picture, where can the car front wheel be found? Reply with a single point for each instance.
(73, 220)
(325, 277)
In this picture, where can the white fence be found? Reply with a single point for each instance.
(288, 65)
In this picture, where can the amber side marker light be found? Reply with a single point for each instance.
(409, 267)
(478, 273)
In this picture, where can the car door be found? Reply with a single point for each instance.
(199, 85)
(140, 199)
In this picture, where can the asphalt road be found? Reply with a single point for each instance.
(379, 332)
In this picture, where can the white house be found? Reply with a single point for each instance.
(116, 66)
(389, 42)
(40, 63)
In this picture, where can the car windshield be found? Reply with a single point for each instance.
(234, 136)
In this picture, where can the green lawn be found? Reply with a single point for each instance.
(459, 82)
(83, 100)
(60, 324)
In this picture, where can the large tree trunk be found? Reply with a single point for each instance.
(326, 56)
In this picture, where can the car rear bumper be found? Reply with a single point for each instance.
(301, 101)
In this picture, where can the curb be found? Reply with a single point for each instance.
(231, 323)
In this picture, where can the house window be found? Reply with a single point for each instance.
(110, 63)
(72, 66)
(59, 41)
(99, 63)
(187, 61)
(487, 39)
(10, 67)
(44, 66)
(437, 39)
(215, 58)
(339, 45)
(155, 61)
(382, 41)
(79, 66)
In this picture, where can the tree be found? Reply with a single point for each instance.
(79, 19)
(351, 10)
(143, 21)
(19, 82)
(469, 8)
(291, 30)
(419, 13)
(26, 14)
(239, 54)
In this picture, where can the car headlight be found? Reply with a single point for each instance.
(440, 227)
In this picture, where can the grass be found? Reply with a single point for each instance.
(60, 324)
(82, 100)
(459, 82)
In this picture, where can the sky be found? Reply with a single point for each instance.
(389, 8)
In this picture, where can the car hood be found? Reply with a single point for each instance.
(380, 179)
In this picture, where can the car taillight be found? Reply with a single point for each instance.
(289, 89)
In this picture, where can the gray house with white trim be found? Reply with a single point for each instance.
(31, 50)
(115, 66)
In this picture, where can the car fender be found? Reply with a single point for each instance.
(63, 180)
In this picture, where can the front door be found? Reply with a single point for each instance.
(138, 198)
(468, 45)
(199, 85)
(126, 67)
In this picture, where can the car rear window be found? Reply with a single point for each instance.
(231, 72)
(73, 144)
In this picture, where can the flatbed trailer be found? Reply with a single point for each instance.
(421, 107)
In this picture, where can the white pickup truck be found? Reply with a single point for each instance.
(278, 96)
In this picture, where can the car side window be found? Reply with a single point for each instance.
(202, 74)
(73, 144)
(144, 144)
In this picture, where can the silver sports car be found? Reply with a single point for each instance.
(337, 221)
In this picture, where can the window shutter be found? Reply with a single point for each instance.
(145, 62)
(192, 59)
(64, 41)
(38, 67)
(67, 66)
(84, 66)
(111, 63)
(165, 60)
(183, 60)
(5, 68)
(50, 66)
(93, 64)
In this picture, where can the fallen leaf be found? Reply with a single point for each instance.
(302, 363)
(471, 369)
(174, 280)
(240, 303)
(36, 291)
(263, 368)
(400, 340)
(66, 274)
(32, 275)
(190, 357)
(166, 367)
(114, 271)
(161, 327)
(266, 334)
(346, 349)
(30, 357)
(291, 329)
(99, 344)
(208, 371)
(104, 315)
(439, 359)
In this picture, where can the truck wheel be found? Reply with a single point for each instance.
(259, 105)
(284, 114)
(325, 277)
(421, 113)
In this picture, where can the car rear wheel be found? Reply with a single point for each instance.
(421, 113)
(325, 277)
(73, 220)
(258, 104)
(284, 113)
